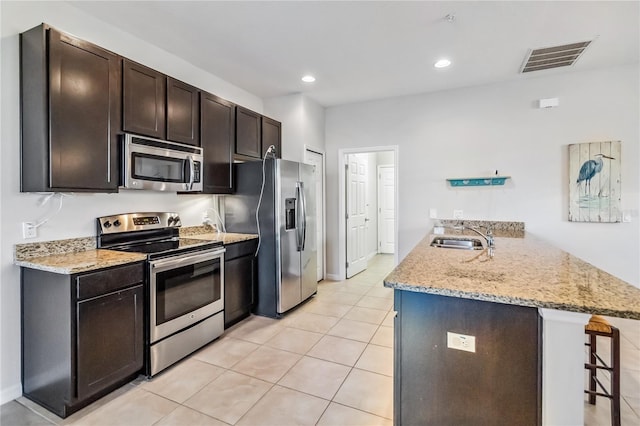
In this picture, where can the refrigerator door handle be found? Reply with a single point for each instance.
(301, 220)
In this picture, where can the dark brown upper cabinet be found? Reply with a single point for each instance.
(217, 136)
(144, 97)
(248, 134)
(182, 112)
(70, 113)
(271, 135)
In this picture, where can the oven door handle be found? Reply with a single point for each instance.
(190, 259)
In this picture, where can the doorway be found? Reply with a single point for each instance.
(386, 209)
(316, 159)
(368, 202)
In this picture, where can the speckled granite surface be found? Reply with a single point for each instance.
(499, 229)
(524, 271)
(190, 231)
(46, 248)
(80, 254)
(225, 237)
(206, 232)
(82, 261)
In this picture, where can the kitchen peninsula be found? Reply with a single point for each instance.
(521, 315)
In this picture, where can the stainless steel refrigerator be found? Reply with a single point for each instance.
(287, 262)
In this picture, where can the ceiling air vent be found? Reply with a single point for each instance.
(554, 57)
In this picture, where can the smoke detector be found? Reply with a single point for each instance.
(554, 57)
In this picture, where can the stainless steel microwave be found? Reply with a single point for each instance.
(160, 165)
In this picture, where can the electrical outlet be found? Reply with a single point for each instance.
(433, 214)
(626, 216)
(461, 342)
(457, 214)
(29, 230)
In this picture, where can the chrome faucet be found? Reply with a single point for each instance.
(488, 237)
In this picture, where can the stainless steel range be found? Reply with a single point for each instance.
(184, 292)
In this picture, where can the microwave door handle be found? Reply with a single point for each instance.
(191, 173)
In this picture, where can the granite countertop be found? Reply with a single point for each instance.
(225, 237)
(81, 261)
(524, 271)
(80, 254)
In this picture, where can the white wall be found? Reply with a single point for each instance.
(471, 131)
(77, 218)
(302, 124)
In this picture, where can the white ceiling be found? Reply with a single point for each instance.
(360, 51)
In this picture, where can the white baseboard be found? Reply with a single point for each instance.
(10, 393)
(333, 277)
(372, 255)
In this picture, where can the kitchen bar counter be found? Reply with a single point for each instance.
(524, 271)
(499, 340)
(80, 254)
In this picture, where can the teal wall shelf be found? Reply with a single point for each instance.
(479, 181)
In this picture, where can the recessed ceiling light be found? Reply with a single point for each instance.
(308, 79)
(442, 63)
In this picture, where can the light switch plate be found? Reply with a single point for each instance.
(461, 342)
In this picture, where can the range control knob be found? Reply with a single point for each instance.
(176, 220)
(116, 223)
(170, 220)
(106, 224)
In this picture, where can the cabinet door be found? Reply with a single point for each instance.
(84, 97)
(182, 112)
(248, 133)
(109, 339)
(271, 135)
(239, 281)
(217, 134)
(144, 93)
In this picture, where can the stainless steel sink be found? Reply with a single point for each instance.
(457, 243)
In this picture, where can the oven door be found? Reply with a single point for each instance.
(184, 290)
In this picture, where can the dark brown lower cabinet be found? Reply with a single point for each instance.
(82, 334)
(240, 281)
(498, 384)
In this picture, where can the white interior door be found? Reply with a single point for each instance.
(356, 213)
(386, 209)
(317, 160)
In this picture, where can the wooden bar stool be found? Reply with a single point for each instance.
(599, 326)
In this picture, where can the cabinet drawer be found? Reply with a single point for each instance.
(244, 248)
(106, 281)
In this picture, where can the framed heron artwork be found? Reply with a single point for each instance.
(594, 182)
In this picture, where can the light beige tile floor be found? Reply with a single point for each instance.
(328, 363)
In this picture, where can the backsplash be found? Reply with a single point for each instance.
(73, 245)
(499, 228)
(197, 230)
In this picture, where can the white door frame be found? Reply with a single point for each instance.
(342, 208)
(324, 204)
